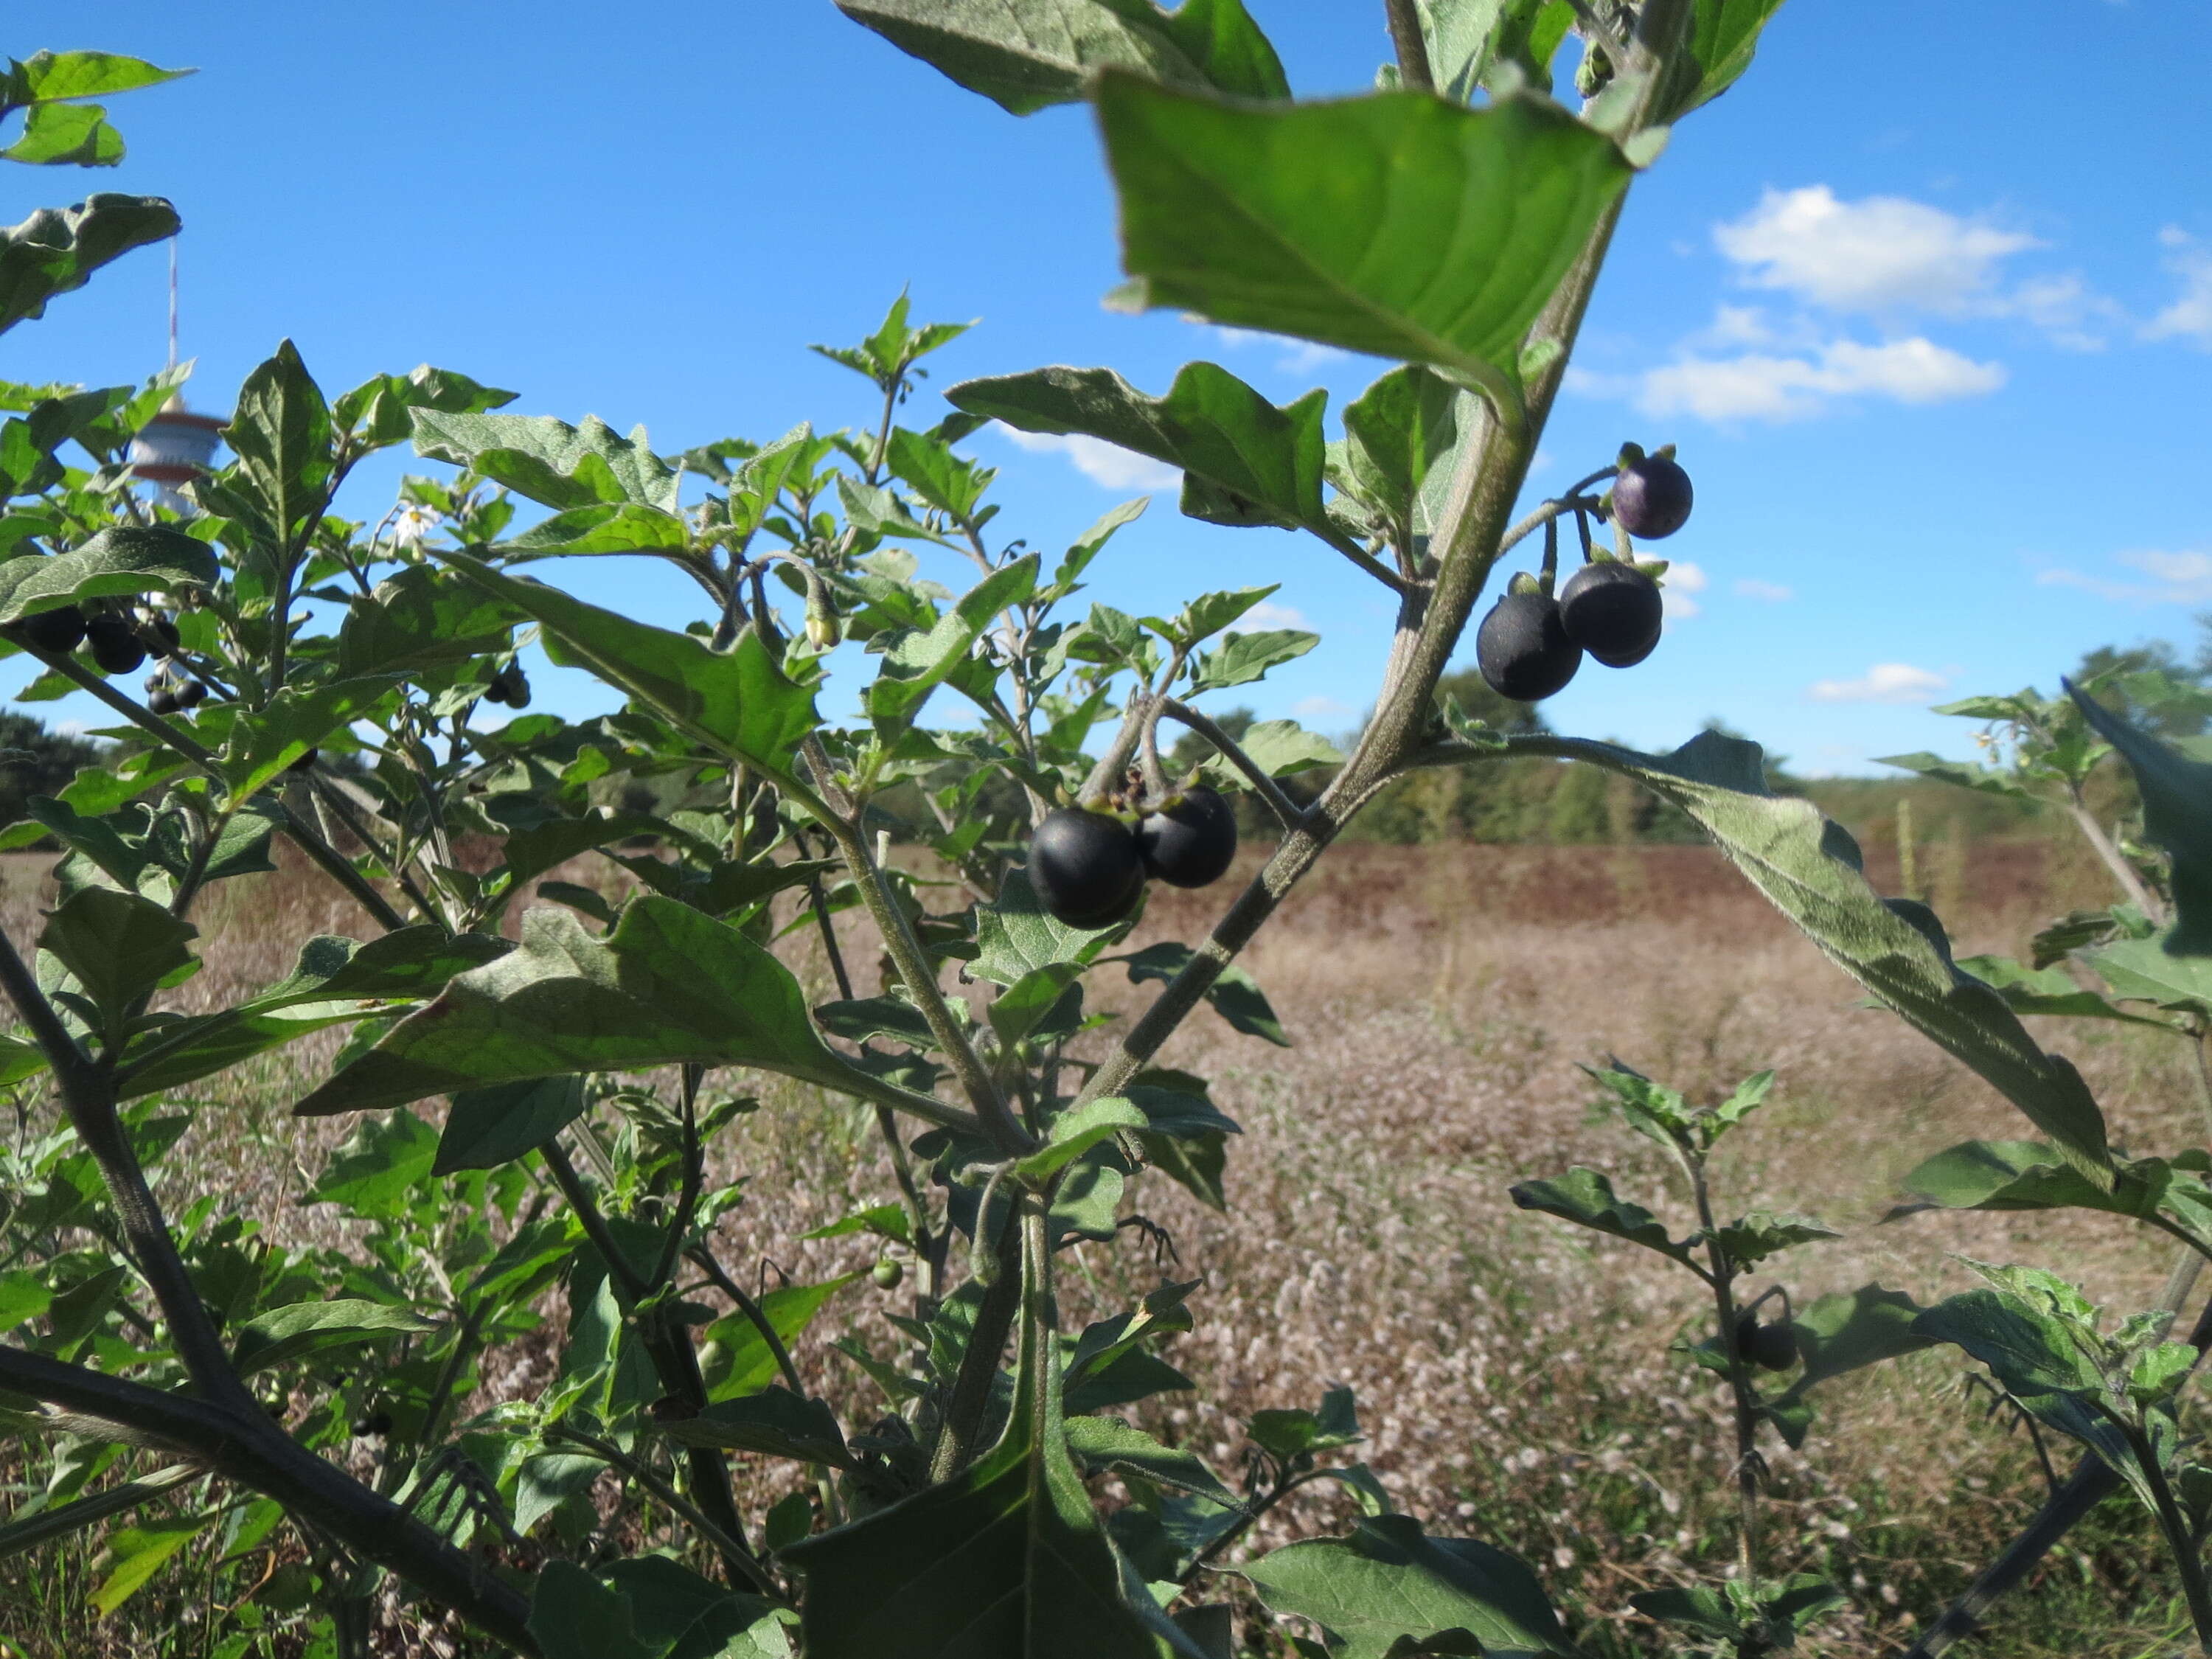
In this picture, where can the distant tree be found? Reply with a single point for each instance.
(37, 761)
(1477, 701)
(2152, 685)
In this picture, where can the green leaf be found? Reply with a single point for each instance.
(1017, 936)
(549, 461)
(1242, 658)
(421, 617)
(138, 1553)
(1810, 868)
(680, 1615)
(749, 1364)
(1724, 36)
(1468, 39)
(737, 702)
(916, 662)
(47, 77)
(304, 1328)
(117, 563)
(487, 1128)
(2146, 970)
(22, 1297)
(1396, 224)
(57, 249)
(1103, 1444)
(377, 1166)
(265, 743)
(602, 527)
(2027, 1174)
(2050, 992)
(1389, 1580)
(1965, 775)
(282, 435)
(1586, 1197)
(2177, 807)
(1751, 1239)
(775, 1421)
(1301, 1433)
(1282, 748)
(1075, 1133)
(1268, 460)
(2028, 1350)
(1396, 433)
(67, 135)
(668, 986)
(118, 946)
(1024, 55)
(380, 412)
(573, 1616)
(1234, 995)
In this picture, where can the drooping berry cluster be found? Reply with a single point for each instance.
(1533, 641)
(1088, 867)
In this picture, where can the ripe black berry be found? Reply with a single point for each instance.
(161, 701)
(887, 1272)
(191, 695)
(1190, 841)
(1085, 867)
(1770, 1347)
(115, 648)
(162, 637)
(1651, 497)
(57, 631)
(511, 686)
(1523, 647)
(1613, 611)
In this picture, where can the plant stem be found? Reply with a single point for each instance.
(1746, 1398)
(1413, 49)
(1284, 809)
(704, 1260)
(732, 1550)
(979, 1363)
(2187, 1560)
(49, 1524)
(2122, 871)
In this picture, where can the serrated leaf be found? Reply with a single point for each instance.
(916, 662)
(738, 702)
(1396, 433)
(1017, 935)
(668, 986)
(1751, 1239)
(377, 1166)
(266, 742)
(281, 432)
(1397, 224)
(1076, 1131)
(548, 460)
(573, 1616)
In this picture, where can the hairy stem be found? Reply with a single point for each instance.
(1411, 47)
(1287, 810)
(979, 1363)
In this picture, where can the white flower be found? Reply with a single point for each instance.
(414, 522)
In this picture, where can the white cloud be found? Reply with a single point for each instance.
(1885, 682)
(2184, 578)
(1682, 578)
(2189, 317)
(1298, 356)
(1762, 387)
(1773, 593)
(1102, 463)
(1883, 253)
(1269, 614)
(1321, 709)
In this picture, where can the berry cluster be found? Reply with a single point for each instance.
(1089, 868)
(1531, 643)
(510, 686)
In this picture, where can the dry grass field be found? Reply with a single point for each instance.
(1513, 1374)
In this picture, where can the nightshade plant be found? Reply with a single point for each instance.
(1455, 221)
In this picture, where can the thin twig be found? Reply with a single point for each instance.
(1288, 811)
(1413, 49)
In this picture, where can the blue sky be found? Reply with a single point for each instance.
(1926, 301)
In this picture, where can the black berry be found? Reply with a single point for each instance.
(1523, 647)
(191, 695)
(1190, 841)
(511, 686)
(1085, 867)
(162, 637)
(306, 763)
(1651, 497)
(1770, 1347)
(115, 648)
(57, 631)
(162, 701)
(1613, 611)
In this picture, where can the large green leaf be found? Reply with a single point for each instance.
(1468, 39)
(573, 1616)
(423, 618)
(118, 562)
(336, 980)
(746, 1363)
(57, 249)
(549, 460)
(1235, 994)
(1810, 868)
(1586, 1198)
(2027, 1174)
(306, 1327)
(667, 985)
(1017, 936)
(602, 527)
(266, 742)
(1396, 224)
(916, 662)
(774, 1422)
(137, 1553)
(282, 435)
(1007, 1559)
(47, 76)
(738, 702)
(2177, 804)
(1396, 433)
(118, 947)
(1724, 36)
(487, 1128)
(381, 411)
(1268, 460)
(66, 135)
(2146, 970)
(1026, 54)
(1389, 1580)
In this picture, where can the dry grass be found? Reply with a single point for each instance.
(1513, 1375)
